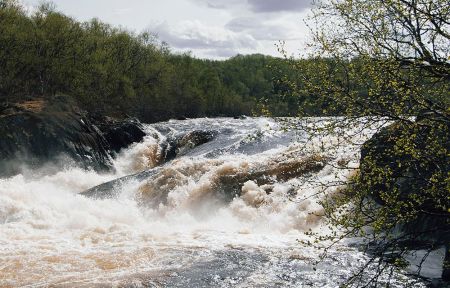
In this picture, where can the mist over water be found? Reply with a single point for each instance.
(227, 213)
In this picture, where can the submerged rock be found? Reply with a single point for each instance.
(179, 144)
(224, 181)
(169, 149)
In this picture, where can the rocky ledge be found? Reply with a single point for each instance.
(411, 162)
(53, 132)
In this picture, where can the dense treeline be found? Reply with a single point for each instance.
(116, 72)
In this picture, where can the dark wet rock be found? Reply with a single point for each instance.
(38, 132)
(179, 144)
(120, 134)
(156, 183)
(111, 189)
(410, 173)
(170, 149)
(53, 132)
(273, 172)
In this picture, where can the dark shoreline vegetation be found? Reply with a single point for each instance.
(77, 88)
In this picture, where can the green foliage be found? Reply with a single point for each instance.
(386, 62)
(116, 72)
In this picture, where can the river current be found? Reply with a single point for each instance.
(228, 213)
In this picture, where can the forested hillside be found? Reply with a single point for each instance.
(116, 72)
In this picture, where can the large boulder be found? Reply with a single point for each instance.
(120, 134)
(52, 133)
(410, 162)
(179, 144)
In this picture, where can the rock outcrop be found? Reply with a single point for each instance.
(120, 134)
(411, 162)
(55, 131)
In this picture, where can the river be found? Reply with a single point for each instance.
(227, 213)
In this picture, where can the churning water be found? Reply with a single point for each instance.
(227, 213)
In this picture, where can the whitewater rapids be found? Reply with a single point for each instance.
(200, 234)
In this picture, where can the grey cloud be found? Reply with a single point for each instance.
(258, 6)
(218, 4)
(243, 23)
(278, 5)
(260, 30)
(199, 37)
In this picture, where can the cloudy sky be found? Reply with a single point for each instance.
(209, 28)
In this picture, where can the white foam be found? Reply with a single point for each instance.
(51, 235)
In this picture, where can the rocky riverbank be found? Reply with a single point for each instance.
(55, 131)
(405, 167)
